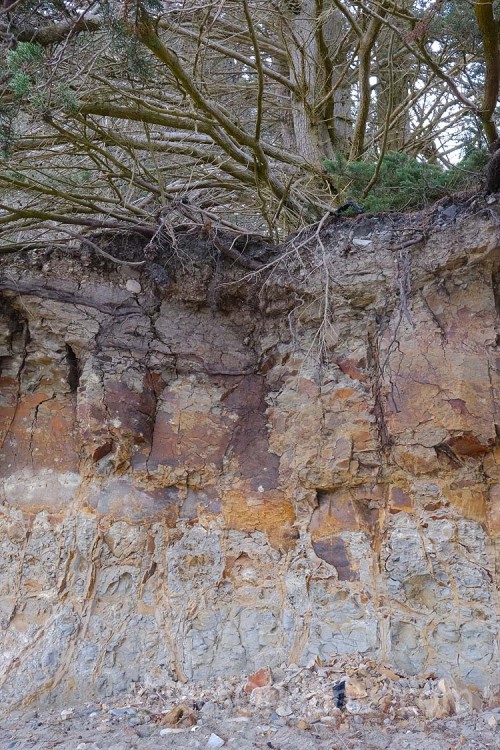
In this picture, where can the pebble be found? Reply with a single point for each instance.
(133, 286)
(491, 721)
(357, 707)
(264, 696)
(302, 724)
(181, 715)
(172, 730)
(67, 713)
(214, 741)
(122, 712)
(262, 678)
(104, 729)
(208, 708)
(284, 711)
(144, 731)
(328, 720)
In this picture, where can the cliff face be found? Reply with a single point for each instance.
(190, 489)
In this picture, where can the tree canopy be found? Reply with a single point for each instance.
(257, 115)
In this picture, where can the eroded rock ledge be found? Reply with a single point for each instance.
(190, 489)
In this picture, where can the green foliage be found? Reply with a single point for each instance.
(67, 98)
(24, 65)
(24, 56)
(82, 176)
(152, 6)
(404, 182)
(125, 46)
(128, 50)
(20, 83)
(455, 24)
(337, 165)
(474, 163)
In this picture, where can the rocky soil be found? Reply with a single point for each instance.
(290, 708)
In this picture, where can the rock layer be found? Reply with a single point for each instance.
(300, 465)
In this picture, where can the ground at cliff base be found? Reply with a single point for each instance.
(290, 709)
(90, 728)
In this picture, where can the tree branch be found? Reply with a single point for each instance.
(56, 32)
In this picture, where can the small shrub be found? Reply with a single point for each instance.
(404, 182)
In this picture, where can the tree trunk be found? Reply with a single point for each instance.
(320, 116)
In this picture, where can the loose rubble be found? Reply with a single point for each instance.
(287, 709)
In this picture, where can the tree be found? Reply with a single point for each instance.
(126, 115)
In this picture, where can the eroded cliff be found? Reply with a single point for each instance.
(215, 476)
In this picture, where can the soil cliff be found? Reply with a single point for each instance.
(235, 468)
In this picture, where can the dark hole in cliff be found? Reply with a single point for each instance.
(339, 694)
(18, 333)
(333, 551)
(124, 245)
(102, 451)
(73, 370)
(496, 286)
